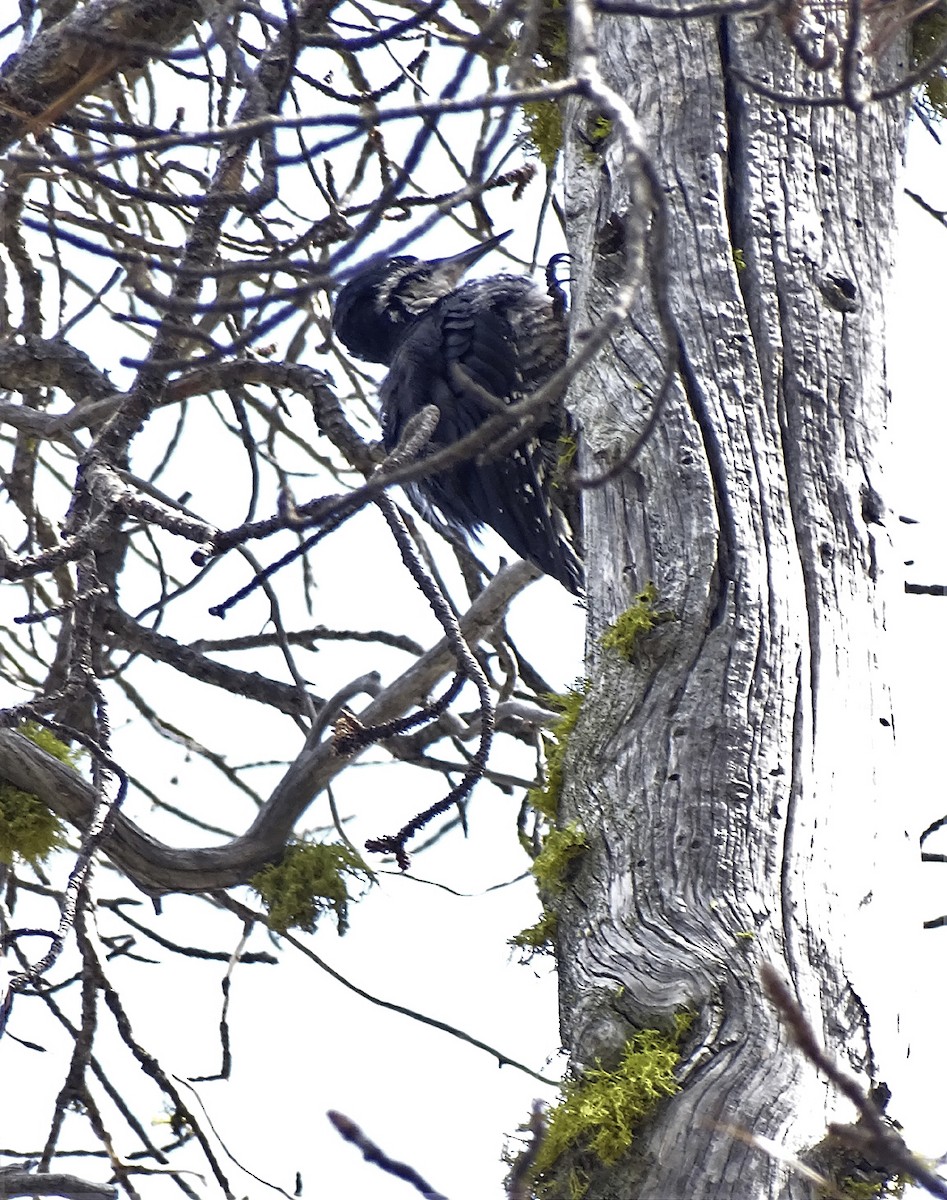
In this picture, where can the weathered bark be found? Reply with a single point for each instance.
(29, 1183)
(70, 59)
(731, 777)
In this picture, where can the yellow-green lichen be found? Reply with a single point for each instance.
(545, 798)
(177, 1120)
(739, 260)
(561, 847)
(599, 1113)
(538, 938)
(863, 1189)
(544, 128)
(310, 879)
(28, 828)
(852, 1171)
(600, 128)
(551, 63)
(597, 129)
(623, 634)
(927, 35)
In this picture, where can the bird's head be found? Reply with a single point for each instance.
(381, 301)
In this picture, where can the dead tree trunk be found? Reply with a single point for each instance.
(731, 777)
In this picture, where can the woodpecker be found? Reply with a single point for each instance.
(507, 337)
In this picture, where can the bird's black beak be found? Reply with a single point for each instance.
(454, 267)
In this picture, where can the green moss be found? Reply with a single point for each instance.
(927, 33)
(544, 117)
(599, 130)
(561, 847)
(850, 1172)
(858, 1190)
(538, 938)
(40, 736)
(739, 259)
(623, 634)
(28, 828)
(599, 1113)
(863, 1189)
(310, 879)
(544, 129)
(545, 798)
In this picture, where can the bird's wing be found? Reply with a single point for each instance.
(465, 346)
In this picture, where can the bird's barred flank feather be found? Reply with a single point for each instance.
(467, 349)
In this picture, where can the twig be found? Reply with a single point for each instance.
(873, 1136)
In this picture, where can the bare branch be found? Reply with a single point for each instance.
(75, 56)
(157, 868)
(14, 1182)
(375, 1155)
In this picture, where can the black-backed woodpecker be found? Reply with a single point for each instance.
(459, 347)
